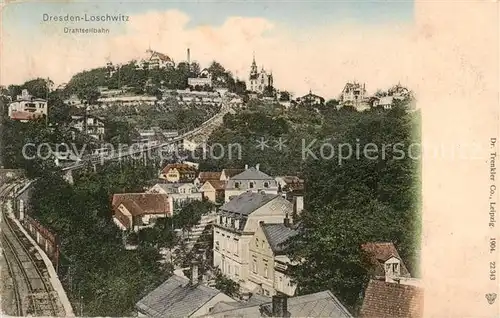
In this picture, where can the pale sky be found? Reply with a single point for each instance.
(307, 45)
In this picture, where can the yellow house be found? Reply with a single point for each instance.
(213, 189)
(178, 172)
(267, 261)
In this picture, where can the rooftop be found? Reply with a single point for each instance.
(142, 203)
(176, 297)
(252, 174)
(247, 202)
(379, 253)
(321, 304)
(209, 175)
(277, 234)
(384, 299)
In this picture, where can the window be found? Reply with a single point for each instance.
(266, 184)
(266, 274)
(256, 242)
(266, 292)
(395, 267)
(237, 185)
(250, 185)
(254, 266)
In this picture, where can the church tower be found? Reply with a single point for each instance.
(253, 69)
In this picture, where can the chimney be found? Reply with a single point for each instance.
(286, 221)
(246, 167)
(279, 305)
(188, 56)
(194, 273)
(257, 167)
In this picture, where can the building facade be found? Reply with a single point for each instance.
(251, 179)
(178, 172)
(93, 127)
(135, 211)
(268, 262)
(26, 107)
(178, 194)
(259, 80)
(154, 60)
(236, 223)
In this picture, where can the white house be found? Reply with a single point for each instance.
(154, 60)
(236, 223)
(26, 107)
(268, 260)
(178, 193)
(310, 99)
(95, 126)
(252, 179)
(384, 102)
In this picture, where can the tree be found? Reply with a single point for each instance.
(226, 285)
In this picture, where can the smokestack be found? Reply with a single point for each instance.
(194, 273)
(257, 166)
(246, 167)
(189, 56)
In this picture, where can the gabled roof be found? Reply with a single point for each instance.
(229, 173)
(252, 174)
(217, 184)
(379, 253)
(209, 175)
(386, 300)
(176, 297)
(182, 167)
(321, 304)
(247, 202)
(277, 234)
(142, 203)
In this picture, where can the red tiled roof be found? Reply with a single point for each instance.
(209, 175)
(142, 203)
(162, 56)
(378, 253)
(387, 300)
(24, 115)
(182, 167)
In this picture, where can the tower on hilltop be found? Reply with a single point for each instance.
(259, 81)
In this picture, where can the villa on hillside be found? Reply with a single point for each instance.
(354, 94)
(251, 179)
(93, 125)
(178, 172)
(310, 99)
(26, 107)
(154, 60)
(178, 193)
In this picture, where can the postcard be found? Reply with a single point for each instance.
(249, 159)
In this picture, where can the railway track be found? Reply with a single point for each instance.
(32, 291)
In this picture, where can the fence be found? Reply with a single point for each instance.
(48, 241)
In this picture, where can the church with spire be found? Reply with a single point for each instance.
(259, 80)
